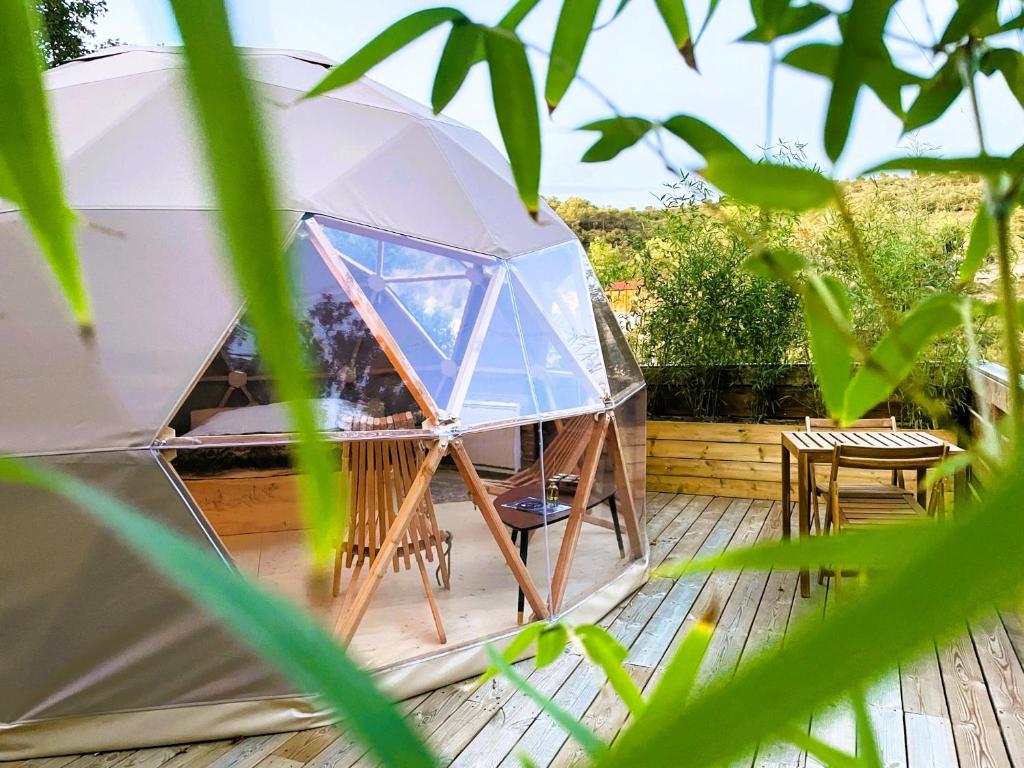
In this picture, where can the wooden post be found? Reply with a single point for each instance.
(349, 620)
(490, 514)
(574, 524)
(803, 519)
(622, 485)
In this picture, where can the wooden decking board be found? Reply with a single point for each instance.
(959, 705)
(975, 729)
(1005, 678)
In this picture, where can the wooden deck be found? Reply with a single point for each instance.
(961, 705)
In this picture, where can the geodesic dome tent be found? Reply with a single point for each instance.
(434, 310)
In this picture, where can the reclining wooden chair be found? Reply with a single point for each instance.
(850, 513)
(381, 472)
(561, 456)
(820, 489)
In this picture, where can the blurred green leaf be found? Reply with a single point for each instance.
(978, 246)
(274, 628)
(775, 263)
(894, 355)
(608, 654)
(971, 17)
(617, 134)
(785, 20)
(517, 647)
(457, 59)
(1010, 64)
(388, 42)
(676, 684)
(575, 23)
(583, 735)
(983, 165)
(704, 139)
(550, 644)
(825, 753)
(515, 104)
(827, 313)
(935, 97)
(879, 73)
(256, 245)
(970, 564)
(673, 13)
(779, 187)
(872, 549)
(867, 745)
(862, 28)
(517, 13)
(30, 174)
(712, 7)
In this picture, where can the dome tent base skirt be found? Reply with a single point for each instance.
(208, 722)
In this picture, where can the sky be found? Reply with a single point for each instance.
(633, 64)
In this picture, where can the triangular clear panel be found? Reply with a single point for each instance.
(621, 367)
(353, 377)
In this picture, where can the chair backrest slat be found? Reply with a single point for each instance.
(898, 459)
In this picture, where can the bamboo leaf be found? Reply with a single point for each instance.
(457, 59)
(968, 16)
(387, 43)
(516, 108)
(826, 753)
(866, 550)
(676, 684)
(775, 264)
(704, 139)
(517, 13)
(518, 646)
(969, 564)
(712, 7)
(935, 97)
(550, 644)
(827, 311)
(30, 174)
(779, 187)
(787, 21)
(894, 356)
(983, 165)
(299, 647)
(978, 246)
(1010, 64)
(255, 242)
(673, 13)
(583, 735)
(867, 745)
(617, 134)
(575, 23)
(608, 654)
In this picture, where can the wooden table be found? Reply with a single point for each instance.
(811, 447)
(525, 523)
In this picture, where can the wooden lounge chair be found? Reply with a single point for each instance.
(820, 489)
(849, 513)
(381, 473)
(561, 456)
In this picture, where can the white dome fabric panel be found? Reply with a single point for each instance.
(162, 301)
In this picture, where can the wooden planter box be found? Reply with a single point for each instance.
(725, 459)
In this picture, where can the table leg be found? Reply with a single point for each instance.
(804, 519)
(922, 494)
(524, 551)
(615, 525)
(786, 504)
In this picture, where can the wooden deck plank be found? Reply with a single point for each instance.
(975, 728)
(1005, 679)
(930, 742)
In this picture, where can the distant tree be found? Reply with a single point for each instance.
(67, 29)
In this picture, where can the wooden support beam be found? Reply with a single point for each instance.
(486, 506)
(573, 526)
(624, 490)
(349, 620)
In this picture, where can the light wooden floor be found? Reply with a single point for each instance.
(961, 705)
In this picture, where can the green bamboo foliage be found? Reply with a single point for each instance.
(241, 171)
(30, 175)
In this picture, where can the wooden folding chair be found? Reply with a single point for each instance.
(858, 512)
(381, 472)
(561, 456)
(820, 489)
